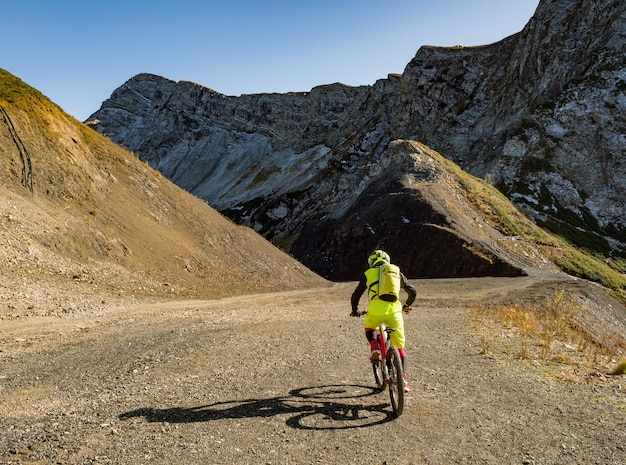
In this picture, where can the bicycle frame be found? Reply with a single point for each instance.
(383, 340)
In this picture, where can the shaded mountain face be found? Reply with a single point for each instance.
(416, 211)
(540, 114)
(80, 216)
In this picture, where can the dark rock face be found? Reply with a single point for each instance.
(540, 114)
(337, 248)
(398, 213)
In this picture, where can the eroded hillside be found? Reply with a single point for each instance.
(83, 221)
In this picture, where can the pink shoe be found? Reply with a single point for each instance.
(407, 388)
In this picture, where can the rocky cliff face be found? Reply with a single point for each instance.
(540, 114)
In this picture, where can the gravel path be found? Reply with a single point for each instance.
(284, 379)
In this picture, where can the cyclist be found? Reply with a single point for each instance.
(383, 311)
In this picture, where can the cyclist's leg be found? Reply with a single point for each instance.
(395, 321)
(370, 334)
(372, 321)
(398, 340)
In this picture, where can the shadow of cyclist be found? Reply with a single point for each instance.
(320, 407)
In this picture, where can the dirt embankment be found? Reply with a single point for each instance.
(284, 378)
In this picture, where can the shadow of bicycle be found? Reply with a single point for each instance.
(315, 408)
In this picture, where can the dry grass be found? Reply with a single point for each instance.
(620, 368)
(550, 331)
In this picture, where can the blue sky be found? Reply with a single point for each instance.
(78, 52)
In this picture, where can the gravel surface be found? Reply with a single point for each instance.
(284, 378)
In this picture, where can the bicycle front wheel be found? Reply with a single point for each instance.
(396, 384)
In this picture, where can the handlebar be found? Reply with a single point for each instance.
(358, 314)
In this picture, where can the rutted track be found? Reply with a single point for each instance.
(25, 159)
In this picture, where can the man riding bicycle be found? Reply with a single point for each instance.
(384, 305)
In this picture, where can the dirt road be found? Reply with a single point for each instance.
(285, 379)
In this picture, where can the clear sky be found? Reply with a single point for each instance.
(78, 52)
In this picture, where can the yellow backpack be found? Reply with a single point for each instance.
(389, 282)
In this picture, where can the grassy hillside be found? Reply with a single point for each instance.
(502, 215)
(77, 210)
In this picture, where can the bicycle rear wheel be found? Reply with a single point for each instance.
(396, 384)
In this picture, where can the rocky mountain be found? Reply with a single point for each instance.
(83, 222)
(539, 114)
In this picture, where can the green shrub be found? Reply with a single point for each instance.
(620, 369)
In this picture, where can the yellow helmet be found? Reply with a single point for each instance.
(377, 257)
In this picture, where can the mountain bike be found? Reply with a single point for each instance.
(388, 370)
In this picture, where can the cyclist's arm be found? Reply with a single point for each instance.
(358, 292)
(409, 289)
